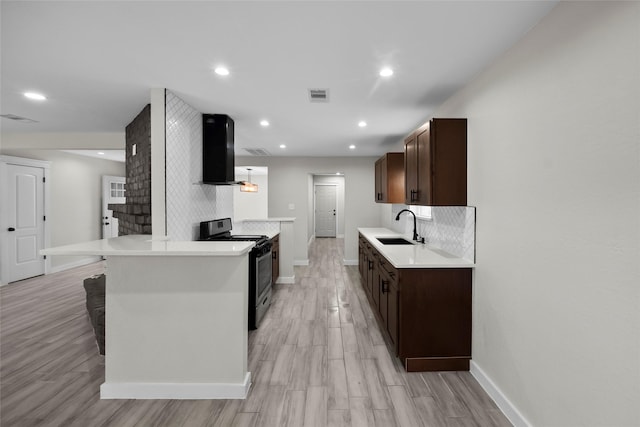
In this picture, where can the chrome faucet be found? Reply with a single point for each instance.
(415, 233)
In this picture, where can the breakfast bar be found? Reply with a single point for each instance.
(176, 317)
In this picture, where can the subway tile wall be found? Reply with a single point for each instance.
(452, 228)
(256, 227)
(188, 200)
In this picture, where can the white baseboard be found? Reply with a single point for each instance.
(176, 390)
(79, 263)
(505, 405)
(301, 262)
(286, 280)
(350, 261)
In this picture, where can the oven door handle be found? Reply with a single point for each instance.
(264, 255)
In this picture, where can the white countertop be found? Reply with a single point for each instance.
(271, 234)
(412, 256)
(145, 245)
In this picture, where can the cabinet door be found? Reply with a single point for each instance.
(389, 300)
(375, 280)
(425, 170)
(381, 166)
(392, 314)
(361, 261)
(370, 268)
(384, 196)
(384, 284)
(275, 255)
(410, 170)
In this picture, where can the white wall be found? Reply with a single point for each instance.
(339, 183)
(251, 205)
(554, 170)
(289, 183)
(64, 141)
(76, 197)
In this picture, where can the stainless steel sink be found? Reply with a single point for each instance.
(394, 241)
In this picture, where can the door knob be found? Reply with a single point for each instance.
(106, 223)
(11, 229)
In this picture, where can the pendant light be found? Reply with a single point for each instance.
(247, 186)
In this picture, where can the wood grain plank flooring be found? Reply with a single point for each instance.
(318, 359)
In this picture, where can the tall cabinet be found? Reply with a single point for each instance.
(435, 164)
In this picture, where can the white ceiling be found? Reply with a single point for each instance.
(113, 155)
(97, 61)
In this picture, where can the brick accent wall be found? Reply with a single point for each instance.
(134, 217)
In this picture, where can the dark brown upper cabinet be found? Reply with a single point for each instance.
(390, 178)
(435, 164)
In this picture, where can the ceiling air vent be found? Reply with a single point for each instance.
(257, 151)
(319, 95)
(18, 118)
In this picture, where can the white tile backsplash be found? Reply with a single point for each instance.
(188, 200)
(452, 228)
(256, 227)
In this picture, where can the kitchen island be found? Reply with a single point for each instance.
(176, 317)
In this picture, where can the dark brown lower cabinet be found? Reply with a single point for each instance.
(424, 312)
(275, 256)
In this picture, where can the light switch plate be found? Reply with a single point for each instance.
(292, 206)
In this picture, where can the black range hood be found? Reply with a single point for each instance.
(218, 157)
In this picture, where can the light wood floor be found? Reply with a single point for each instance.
(318, 359)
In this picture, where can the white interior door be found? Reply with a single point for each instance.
(25, 222)
(325, 196)
(113, 191)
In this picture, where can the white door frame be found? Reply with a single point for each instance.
(318, 184)
(4, 191)
(107, 179)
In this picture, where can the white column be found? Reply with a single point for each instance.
(158, 184)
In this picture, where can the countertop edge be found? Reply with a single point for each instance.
(370, 233)
(145, 245)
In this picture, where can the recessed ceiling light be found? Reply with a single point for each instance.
(386, 72)
(101, 153)
(352, 147)
(283, 146)
(362, 123)
(338, 173)
(264, 123)
(35, 96)
(221, 71)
